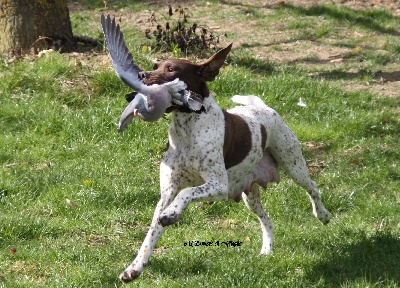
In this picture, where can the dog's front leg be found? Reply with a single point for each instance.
(168, 192)
(212, 190)
(135, 269)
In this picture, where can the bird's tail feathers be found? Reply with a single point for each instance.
(192, 101)
(249, 100)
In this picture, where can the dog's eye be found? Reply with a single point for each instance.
(155, 67)
(170, 69)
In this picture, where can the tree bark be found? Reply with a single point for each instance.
(34, 24)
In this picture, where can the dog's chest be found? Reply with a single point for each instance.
(192, 133)
(193, 137)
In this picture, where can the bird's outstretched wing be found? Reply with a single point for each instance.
(125, 67)
(120, 56)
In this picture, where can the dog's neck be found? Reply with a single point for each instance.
(179, 117)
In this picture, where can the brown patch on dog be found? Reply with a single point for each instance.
(239, 197)
(237, 140)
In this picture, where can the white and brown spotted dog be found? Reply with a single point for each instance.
(220, 155)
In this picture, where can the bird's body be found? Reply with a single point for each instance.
(145, 107)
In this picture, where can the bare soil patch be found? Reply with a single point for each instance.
(330, 57)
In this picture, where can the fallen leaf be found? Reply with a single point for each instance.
(160, 250)
(320, 164)
(356, 161)
(301, 103)
(357, 34)
(226, 223)
(88, 182)
(13, 250)
(338, 60)
(71, 203)
(42, 166)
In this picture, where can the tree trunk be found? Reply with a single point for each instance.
(27, 25)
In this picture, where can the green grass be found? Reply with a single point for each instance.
(59, 141)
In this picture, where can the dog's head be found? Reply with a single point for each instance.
(194, 75)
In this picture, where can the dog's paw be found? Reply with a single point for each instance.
(324, 217)
(167, 219)
(266, 251)
(129, 275)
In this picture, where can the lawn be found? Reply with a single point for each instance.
(77, 197)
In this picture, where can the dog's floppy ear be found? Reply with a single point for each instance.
(210, 68)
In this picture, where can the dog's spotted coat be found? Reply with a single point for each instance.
(221, 155)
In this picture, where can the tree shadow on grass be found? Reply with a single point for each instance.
(251, 63)
(177, 268)
(372, 259)
(338, 74)
(371, 19)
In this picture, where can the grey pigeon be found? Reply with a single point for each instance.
(152, 100)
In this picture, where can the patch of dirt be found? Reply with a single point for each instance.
(354, 4)
(330, 57)
(324, 55)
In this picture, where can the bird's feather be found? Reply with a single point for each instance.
(120, 56)
(192, 100)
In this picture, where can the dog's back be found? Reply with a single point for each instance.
(248, 100)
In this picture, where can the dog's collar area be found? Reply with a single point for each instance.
(184, 109)
(194, 97)
(185, 106)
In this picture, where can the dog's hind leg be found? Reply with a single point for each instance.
(253, 202)
(299, 173)
(288, 154)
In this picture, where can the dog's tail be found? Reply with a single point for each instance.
(249, 100)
